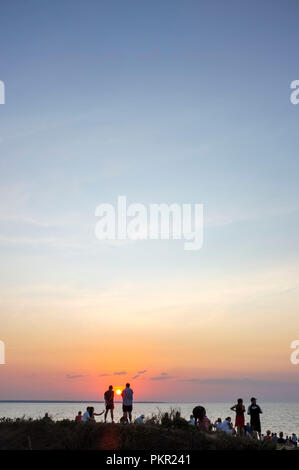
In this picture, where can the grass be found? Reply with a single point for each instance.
(41, 434)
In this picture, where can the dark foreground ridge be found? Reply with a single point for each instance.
(39, 434)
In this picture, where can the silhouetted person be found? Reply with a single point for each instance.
(86, 415)
(254, 411)
(140, 419)
(217, 424)
(268, 437)
(191, 420)
(47, 418)
(127, 396)
(281, 440)
(202, 422)
(109, 402)
(239, 408)
(92, 413)
(199, 413)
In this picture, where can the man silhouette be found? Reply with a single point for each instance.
(254, 411)
(127, 395)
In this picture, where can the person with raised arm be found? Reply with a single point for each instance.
(239, 408)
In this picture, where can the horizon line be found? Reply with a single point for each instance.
(137, 401)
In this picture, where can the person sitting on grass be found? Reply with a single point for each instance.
(47, 418)
(165, 420)
(294, 439)
(179, 422)
(217, 424)
(227, 426)
(202, 422)
(191, 420)
(86, 415)
(199, 412)
(90, 414)
(93, 414)
(140, 419)
(281, 440)
(79, 416)
(268, 436)
(248, 429)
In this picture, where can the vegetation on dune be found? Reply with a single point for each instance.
(156, 434)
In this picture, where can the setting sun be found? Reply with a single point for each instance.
(118, 391)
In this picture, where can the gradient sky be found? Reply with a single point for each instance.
(172, 101)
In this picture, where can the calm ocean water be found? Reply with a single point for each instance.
(276, 416)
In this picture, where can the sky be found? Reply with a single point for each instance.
(174, 102)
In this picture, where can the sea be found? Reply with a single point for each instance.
(276, 416)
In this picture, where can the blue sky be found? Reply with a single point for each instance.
(168, 101)
(163, 102)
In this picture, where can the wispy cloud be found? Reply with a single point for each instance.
(163, 377)
(29, 221)
(51, 242)
(236, 381)
(139, 373)
(27, 240)
(122, 372)
(104, 375)
(79, 376)
(221, 220)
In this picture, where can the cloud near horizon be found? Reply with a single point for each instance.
(79, 376)
(237, 381)
(163, 377)
(139, 373)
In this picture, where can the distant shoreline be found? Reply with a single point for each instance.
(80, 401)
(135, 401)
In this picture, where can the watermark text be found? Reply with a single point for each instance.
(2, 352)
(2, 92)
(294, 97)
(294, 358)
(155, 222)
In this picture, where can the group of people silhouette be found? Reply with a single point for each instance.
(198, 418)
(254, 410)
(127, 406)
